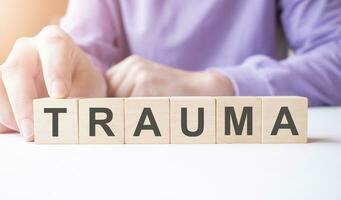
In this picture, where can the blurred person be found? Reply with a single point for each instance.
(173, 47)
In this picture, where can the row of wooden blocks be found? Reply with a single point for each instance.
(171, 120)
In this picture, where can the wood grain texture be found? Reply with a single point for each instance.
(67, 122)
(158, 107)
(192, 105)
(244, 109)
(298, 108)
(115, 109)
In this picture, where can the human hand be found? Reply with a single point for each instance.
(49, 64)
(136, 76)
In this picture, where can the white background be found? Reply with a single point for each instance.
(231, 171)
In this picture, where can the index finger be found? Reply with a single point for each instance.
(18, 73)
(57, 54)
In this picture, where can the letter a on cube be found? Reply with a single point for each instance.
(284, 119)
(55, 121)
(147, 120)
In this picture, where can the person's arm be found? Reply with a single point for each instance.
(313, 30)
(91, 25)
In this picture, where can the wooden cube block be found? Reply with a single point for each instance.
(56, 120)
(147, 120)
(101, 120)
(192, 120)
(238, 119)
(284, 119)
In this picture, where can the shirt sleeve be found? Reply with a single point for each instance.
(90, 24)
(313, 31)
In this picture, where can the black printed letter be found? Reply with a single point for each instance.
(55, 112)
(147, 112)
(102, 122)
(278, 124)
(230, 114)
(184, 127)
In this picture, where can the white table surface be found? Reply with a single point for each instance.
(282, 171)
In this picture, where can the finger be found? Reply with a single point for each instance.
(4, 129)
(57, 53)
(22, 101)
(126, 62)
(117, 73)
(115, 80)
(126, 87)
(117, 77)
(6, 113)
(18, 74)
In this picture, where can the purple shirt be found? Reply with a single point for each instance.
(239, 38)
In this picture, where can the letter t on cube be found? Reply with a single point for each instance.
(55, 121)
